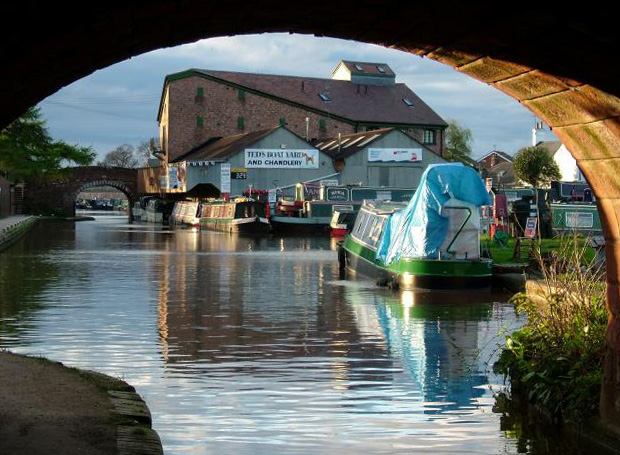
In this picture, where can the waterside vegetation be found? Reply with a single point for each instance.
(556, 358)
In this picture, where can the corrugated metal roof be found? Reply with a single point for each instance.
(350, 144)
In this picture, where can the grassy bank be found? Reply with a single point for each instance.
(556, 359)
(504, 255)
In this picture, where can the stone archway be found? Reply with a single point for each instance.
(59, 196)
(108, 183)
(558, 61)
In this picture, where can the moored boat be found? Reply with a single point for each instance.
(342, 221)
(431, 242)
(315, 215)
(242, 215)
(186, 212)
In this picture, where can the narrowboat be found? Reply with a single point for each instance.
(314, 216)
(342, 221)
(186, 212)
(241, 215)
(158, 211)
(432, 242)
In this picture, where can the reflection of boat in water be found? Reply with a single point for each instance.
(431, 242)
(241, 215)
(438, 341)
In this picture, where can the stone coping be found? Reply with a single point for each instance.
(45, 403)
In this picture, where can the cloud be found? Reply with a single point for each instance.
(118, 104)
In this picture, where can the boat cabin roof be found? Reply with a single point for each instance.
(384, 207)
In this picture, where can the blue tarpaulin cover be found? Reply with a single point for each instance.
(419, 230)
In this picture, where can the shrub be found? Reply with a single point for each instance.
(556, 359)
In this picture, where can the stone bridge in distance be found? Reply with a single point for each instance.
(58, 196)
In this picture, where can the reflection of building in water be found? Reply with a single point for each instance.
(437, 344)
(230, 300)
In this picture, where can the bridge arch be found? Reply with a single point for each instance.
(559, 63)
(101, 183)
(59, 196)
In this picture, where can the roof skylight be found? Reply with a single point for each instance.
(325, 97)
(408, 102)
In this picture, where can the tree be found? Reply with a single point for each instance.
(535, 166)
(129, 156)
(458, 141)
(144, 151)
(121, 156)
(27, 151)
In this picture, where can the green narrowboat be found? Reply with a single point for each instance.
(432, 242)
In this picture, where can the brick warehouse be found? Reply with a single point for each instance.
(197, 105)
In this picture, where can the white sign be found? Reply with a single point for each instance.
(579, 220)
(225, 178)
(173, 180)
(399, 155)
(330, 182)
(272, 196)
(282, 159)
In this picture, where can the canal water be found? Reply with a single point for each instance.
(256, 346)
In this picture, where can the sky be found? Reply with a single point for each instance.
(118, 104)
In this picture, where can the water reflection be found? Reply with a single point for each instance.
(254, 346)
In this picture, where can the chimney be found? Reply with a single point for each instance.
(303, 85)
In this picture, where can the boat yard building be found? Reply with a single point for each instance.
(386, 157)
(198, 105)
(266, 159)
(278, 159)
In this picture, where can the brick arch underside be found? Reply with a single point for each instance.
(558, 63)
(100, 183)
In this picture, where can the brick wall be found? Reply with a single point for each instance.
(5, 197)
(196, 109)
(220, 109)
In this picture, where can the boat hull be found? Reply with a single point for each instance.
(419, 273)
(299, 225)
(238, 225)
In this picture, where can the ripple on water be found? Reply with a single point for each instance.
(255, 346)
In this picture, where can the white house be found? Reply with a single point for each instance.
(565, 161)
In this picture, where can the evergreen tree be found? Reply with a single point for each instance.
(27, 151)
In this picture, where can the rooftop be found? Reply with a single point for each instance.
(223, 147)
(392, 105)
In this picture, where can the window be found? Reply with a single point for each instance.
(200, 93)
(282, 121)
(322, 124)
(325, 97)
(200, 121)
(359, 67)
(240, 123)
(381, 69)
(428, 137)
(241, 94)
(408, 102)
